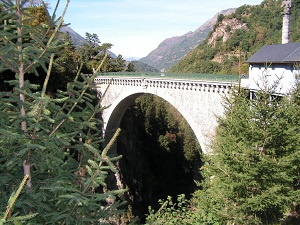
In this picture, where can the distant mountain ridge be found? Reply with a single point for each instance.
(172, 50)
(77, 39)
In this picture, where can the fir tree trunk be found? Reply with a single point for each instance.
(21, 64)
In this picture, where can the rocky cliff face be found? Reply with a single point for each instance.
(173, 49)
(225, 29)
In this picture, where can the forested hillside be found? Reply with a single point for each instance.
(238, 36)
(143, 67)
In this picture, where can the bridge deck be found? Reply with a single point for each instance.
(185, 76)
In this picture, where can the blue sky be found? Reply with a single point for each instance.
(136, 27)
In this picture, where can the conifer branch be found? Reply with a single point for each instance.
(57, 29)
(13, 199)
(98, 170)
(84, 89)
(79, 71)
(48, 76)
(163, 206)
(110, 143)
(103, 155)
(106, 89)
(10, 66)
(101, 64)
(57, 127)
(59, 25)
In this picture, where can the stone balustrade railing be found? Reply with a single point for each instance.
(197, 85)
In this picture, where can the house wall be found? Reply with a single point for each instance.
(260, 75)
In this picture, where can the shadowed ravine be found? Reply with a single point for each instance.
(149, 170)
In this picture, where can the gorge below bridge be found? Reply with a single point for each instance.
(198, 97)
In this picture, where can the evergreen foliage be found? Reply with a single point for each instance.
(54, 140)
(92, 52)
(172, 213)
(253, 175)
(130, 67)
(13, 198)
(69, 57)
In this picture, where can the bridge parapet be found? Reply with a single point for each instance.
(182, 76)
(193, 85)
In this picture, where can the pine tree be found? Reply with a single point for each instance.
(253, 175)
(54, 141)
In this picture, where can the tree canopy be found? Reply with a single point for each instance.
(252, 175)
(52, 166)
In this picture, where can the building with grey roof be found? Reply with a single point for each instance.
(273, 63)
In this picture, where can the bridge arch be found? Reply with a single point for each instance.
(198, 101)
(117, 109)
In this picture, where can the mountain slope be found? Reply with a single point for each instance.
(78, 40)
(143, 67)
(171, 50)
(238, 36)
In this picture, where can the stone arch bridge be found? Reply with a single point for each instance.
(198, 97)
